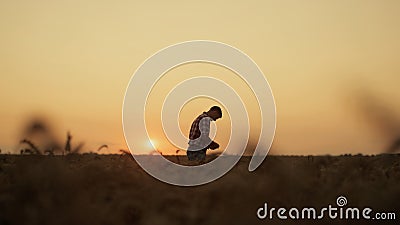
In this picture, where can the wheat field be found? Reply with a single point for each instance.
(113, 189)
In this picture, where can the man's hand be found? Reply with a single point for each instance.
(214, 145)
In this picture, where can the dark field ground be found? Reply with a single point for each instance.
(109, 189)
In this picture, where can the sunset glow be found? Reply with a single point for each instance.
(69, 63)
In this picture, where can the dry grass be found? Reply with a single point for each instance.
(112, 189)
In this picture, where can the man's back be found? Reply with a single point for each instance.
(199, 132)
(199, 140)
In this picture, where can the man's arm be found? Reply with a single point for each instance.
(214, 145)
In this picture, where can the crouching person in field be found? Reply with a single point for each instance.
(199, 135)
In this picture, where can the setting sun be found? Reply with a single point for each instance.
(152, 143)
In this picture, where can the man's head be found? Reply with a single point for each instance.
(215, 112)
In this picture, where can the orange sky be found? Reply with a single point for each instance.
(70, 61)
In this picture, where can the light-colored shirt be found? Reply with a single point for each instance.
(204, 140)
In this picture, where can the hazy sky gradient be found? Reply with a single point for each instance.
(72, 60)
